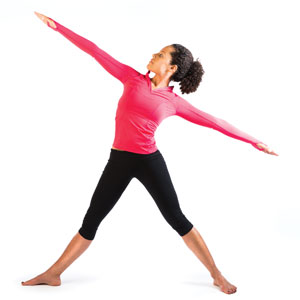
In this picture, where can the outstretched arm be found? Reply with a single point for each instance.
(189, 112)
(120, 71)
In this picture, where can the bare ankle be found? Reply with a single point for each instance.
(215, 273)
(52, 272)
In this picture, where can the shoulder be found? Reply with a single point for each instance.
(133, 75)
(178, 100)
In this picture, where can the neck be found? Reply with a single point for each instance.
(159, 82)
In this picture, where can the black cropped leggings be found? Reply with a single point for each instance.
(151, 170)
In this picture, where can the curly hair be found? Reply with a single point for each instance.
(189, 72)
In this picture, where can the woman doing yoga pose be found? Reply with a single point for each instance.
(144, 104)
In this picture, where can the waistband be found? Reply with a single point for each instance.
(118, 153)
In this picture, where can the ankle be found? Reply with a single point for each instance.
(215, 273)
(52, 272)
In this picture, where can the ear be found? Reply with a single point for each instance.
(174, 68)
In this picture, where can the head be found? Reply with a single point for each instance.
(177, 63)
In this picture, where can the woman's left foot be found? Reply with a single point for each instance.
(224, 285)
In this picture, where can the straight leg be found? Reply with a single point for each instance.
(115, 178)
(196, 244)
(74, 249)
(113, 181)
(154, 175)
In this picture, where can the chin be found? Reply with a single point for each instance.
(149, 65)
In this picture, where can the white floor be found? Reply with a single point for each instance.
(160, 267)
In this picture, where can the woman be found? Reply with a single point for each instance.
(144, 104)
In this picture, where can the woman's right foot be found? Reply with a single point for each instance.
(44, 278)
(224, 285)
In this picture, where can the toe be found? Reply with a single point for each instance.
(29, 282)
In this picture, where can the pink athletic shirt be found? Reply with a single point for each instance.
(141, 109)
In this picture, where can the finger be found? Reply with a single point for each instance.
(273, 153)
(39, 15)
(42, 17)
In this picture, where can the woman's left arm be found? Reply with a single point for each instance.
(189, 112)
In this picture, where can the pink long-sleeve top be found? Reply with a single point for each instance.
(141, 109)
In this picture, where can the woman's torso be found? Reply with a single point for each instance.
(117, 149)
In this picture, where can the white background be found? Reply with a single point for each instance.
(57, 127)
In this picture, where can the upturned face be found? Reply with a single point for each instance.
(160, 62)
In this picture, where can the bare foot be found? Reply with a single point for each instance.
(224, 285)
(44, 278)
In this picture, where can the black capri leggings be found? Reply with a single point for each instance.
(151, 170)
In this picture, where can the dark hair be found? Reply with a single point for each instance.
(189, 72)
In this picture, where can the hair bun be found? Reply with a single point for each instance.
(189, 72)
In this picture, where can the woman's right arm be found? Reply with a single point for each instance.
(117, 69)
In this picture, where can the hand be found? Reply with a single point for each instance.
(266, 149)
(46, 20)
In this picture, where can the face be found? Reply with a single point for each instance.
(160, 62)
